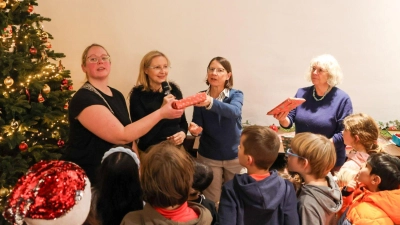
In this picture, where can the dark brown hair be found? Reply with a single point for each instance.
(262, 143)
(166, 175)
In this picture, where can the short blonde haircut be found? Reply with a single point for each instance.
(143, 78)
(318, 150)
(366, 129)
(331, 65)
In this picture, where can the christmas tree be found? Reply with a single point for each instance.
(34, 93)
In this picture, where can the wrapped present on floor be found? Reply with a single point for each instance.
(189, 101)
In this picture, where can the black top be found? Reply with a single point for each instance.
(83, 147)
(142, 103)
(210, 205)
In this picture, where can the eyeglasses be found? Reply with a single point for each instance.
(159, 68)
(318, 69)
(95, 59)
(217, 70)
(289, 152)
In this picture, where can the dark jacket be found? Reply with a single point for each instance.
(268, 201)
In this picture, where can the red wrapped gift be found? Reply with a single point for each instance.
(189, 101)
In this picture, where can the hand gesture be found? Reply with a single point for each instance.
(177, 138)
(166, 110)
(167, 98)
(281, 116)
(206, 102)
(195, 129)
(352, 185)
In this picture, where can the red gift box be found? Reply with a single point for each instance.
(189, 101)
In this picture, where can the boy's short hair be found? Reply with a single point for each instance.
(203, 176)
(166, 175)
(318, 150)
(262, 143)
(387, 167)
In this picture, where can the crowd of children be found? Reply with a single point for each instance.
(165, 186)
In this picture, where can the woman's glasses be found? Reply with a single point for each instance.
(95, 59)
(159, 68)
(217, 70)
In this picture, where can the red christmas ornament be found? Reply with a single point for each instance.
(30, 8)
(33, 50)
(23, 146)
(40, 98)
(48, 45)
(60, 143)
(70, 88)
(64, 82)
(66, 105)
(274, 127)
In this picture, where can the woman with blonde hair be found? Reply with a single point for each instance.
(98, 115)
(326, 105)
(151, 91)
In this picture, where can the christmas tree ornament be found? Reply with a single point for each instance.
(40, 98)
(60, 143)
(66, 105)
(44, 55)
(4, 192)
(33, 50)
(46, 89)
(14, 124)
(60, 67)
(3, 4)
(64, 82)
(30, 8)
(70, 88)
(47, 45)
(8, 81)
(23, 146)
(51, 193)
(55, 134)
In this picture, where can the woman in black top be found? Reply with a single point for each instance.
(98, 115)
(148, 95)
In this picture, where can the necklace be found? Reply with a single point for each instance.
(326, 92)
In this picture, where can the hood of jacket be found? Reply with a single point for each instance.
(266, 194)
(330, 198)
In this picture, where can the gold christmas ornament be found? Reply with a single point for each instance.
(2, 4)
(4, 192)
(14, 124)
(46, 89)
(8, 81)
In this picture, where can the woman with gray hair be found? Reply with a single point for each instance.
(326, 105)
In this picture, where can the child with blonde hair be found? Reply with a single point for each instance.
(313, 156)
(361, 132)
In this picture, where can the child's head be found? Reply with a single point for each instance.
(166, 175)
(381, 172)
(312, 154)
(361, 129)
(260, 145)
(119, 190)
(202, 178)
(51, 192)
(345, 175)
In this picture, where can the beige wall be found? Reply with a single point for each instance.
(269, 44)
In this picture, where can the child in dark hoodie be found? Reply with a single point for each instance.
(260, 196)
(313, 156)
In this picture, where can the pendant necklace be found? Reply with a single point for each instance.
(326, 92)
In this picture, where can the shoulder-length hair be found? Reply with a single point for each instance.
(331, 65)
(143, 78)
